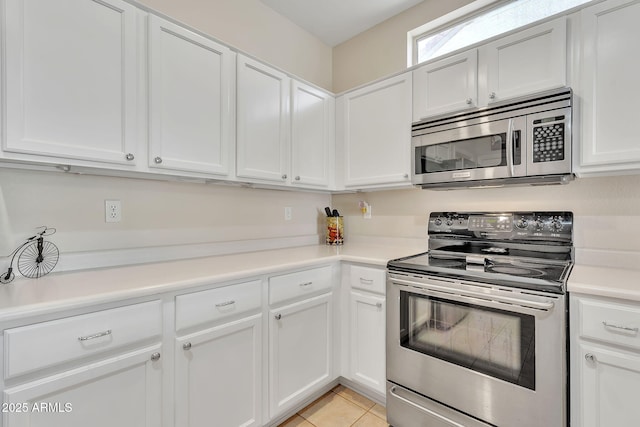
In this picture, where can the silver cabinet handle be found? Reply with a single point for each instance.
(226, 303)
(155, 357)
(377, 305)
(591, 358)
(469, 101)
(406, 176)
(158, 160)
(624, 328)
(284, 176)
(278, 316)
(94, 336)
(492, 95)
(305, 284)
(366, 281)
(186, 346)
(129, 156)
(297, 178)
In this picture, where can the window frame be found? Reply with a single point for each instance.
(464, 13)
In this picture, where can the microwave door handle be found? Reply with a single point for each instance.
(510, 147)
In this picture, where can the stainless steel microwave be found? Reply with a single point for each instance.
(523, 141)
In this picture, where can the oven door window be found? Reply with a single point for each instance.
(474, 153)
(487, 340)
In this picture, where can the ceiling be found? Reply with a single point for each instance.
(335, 21)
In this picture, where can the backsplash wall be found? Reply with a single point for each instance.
(606, 210)
(154, 213)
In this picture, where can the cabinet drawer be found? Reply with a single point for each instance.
(612, 322)
(368, 279)
(216, 304)
(302, 283)
(32, 347)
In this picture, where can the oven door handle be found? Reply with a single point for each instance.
(423, 409)
(454, 293)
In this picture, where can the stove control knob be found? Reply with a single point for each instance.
(449, 222)
(556, 225)
(538, 225)
(438, 221)
(522, 223)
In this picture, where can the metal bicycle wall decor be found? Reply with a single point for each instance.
(36, 257)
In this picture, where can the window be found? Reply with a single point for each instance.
(480, 21)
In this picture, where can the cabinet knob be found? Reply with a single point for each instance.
(590, 357)
(284, 176)
(129, 156)
(406, 176)
(469, 101)
(297, 178)
(278, 316)
(155, 357)
(158, 160)
(186, 346)
(492, 95)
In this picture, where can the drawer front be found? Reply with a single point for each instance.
(216, 304)
(300, 284)
(368, 279)
(616, 323)
(41, 345)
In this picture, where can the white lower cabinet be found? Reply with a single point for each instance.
(300, 351)
(100, 369)
(605, 362)
(367, 326)
(367, 352)
(218, 377)
(124, 391)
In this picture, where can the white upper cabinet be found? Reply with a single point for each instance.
(312, 136)
(191, 100)
(262, 122)
(447, 85)
(522, 63)
(609, 87)
(526, 62)
(71, 79)
(374, 131)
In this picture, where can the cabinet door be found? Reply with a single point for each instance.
(312, 135)
(375, 122)
(610, 87)
(300, 350)
(367, 329)
(71, 79)
(446, 85)
(190, 100)
(124, 391)
(219, 375)
(262, 121)
(609, 387)
(528, 61)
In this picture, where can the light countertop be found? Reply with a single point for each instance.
(606, 282)
(54, 292)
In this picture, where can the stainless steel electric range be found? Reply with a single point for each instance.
(477, 326)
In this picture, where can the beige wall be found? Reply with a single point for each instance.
(382, 50)
(252, 27)
(154, 213)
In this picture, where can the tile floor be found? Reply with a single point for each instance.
(340, 407)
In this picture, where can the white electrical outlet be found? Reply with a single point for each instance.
(287, 214)
(112, 211)
(367, 212)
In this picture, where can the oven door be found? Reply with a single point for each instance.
(490, 150)
(490, 352)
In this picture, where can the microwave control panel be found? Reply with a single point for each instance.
(548, 139)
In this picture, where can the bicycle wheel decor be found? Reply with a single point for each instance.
(36, 257)
(34, 262)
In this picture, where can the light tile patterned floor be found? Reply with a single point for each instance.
(341, 407)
